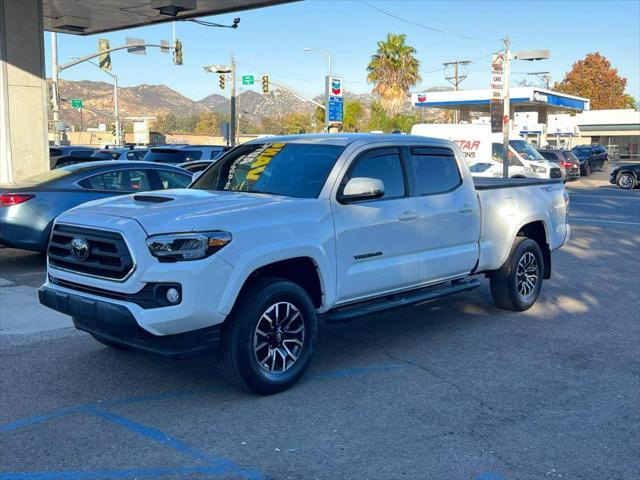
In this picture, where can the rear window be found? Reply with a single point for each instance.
(106, 155)
(170, 155)
(436, 170)
(570, 156)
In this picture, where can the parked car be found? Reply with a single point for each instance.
(177, 154)
(625, 176)
(592, 157)
(119, 153)
(28, 209)
(566, 160)
(74, 160)
(282, 230)
(55, 153)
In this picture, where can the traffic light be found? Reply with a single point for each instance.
(265, 84)
(113, 129)
(177, 52)
(105, 57)
(221, 81)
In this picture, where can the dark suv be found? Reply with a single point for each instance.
(566, 160)
(592, 157)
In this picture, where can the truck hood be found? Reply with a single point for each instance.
(181, 210)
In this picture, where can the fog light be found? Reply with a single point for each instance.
(173, 296)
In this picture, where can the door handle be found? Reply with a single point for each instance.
(407, 216)
(465, 208)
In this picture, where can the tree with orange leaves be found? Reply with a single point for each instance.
(595, 79)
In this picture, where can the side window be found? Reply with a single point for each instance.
(385, 165)
(549, 156)
(436, 170)
(173, 179)
(118, 181)
(496, 155)
(214, 153)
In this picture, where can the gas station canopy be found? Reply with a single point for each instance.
(521, 98)
(87, 17)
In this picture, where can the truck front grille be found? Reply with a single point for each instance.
(556, 173)
(106, 255)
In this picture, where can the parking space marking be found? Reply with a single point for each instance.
(112, 474)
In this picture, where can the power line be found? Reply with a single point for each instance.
(427, 27)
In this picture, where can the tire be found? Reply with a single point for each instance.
(108, 343)
(507, 287)
(626, 181)
(271, 368)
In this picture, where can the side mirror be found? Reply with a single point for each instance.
(362, 188)
(196, 176)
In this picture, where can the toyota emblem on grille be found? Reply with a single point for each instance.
(79, 249)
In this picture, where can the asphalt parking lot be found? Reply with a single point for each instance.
(455, 389)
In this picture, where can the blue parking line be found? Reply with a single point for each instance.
(161, 437)
(25, 422)
(489, 476)
(113, 474)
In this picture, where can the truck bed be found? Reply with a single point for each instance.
(488, 183)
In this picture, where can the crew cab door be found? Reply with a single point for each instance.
(376, 239)
(448, 215)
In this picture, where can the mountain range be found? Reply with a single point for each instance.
(157, 100)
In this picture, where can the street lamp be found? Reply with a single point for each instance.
(231, 69)
(115, 99)
(528, 55)
(326, 54)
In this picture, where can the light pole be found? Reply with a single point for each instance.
(529, 55)
(230, 69)
(116, 115)
(54, 88)
(326, 54)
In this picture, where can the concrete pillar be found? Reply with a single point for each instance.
(23, 91)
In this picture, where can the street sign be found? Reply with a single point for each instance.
(335, 109)
(497, 76)
(164, 46)
(247, 79)
(76, 103)
(136, 45)
(496, 109)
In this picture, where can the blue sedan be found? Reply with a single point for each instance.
(28, 209)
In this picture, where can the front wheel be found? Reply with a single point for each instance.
(626, 181)
(517, 284)
(270, 337)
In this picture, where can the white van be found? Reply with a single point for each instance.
(483, 150)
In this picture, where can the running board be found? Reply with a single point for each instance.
(402, 299)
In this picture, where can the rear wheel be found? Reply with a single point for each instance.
(517, 284)
(626, 181)
(270, 337)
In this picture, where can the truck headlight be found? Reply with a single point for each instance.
(174, 247)
(538, 169)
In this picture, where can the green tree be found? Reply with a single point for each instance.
(208, 123)
(594, 78)
(296, 122)
(353, 116)
(393, 70)
(379, 120)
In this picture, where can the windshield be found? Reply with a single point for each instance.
(290, 169)
(582, 152)
(48, 176)
(526, 150)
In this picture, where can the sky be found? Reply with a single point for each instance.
(271, 40)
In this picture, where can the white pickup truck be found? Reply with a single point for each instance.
(283, 231)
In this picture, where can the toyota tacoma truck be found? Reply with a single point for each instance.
(285, 231)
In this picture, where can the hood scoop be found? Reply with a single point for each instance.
(151, 198)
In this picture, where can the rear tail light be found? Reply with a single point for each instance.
(10, 199)
(566, 164)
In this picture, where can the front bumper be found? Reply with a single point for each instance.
(115, 323)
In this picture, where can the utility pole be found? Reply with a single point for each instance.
(115, 110)
(232, 123)
(506, 115)
(457, 78)
(54, 88)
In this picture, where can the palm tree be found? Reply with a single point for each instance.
(393, 69)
